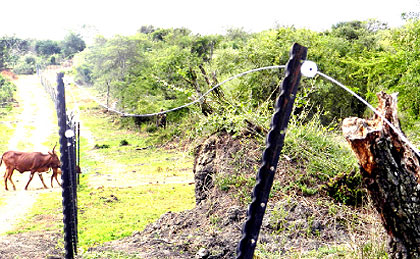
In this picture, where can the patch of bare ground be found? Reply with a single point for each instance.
(35, 245)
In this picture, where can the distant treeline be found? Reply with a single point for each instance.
(22, 55)
(162, 68)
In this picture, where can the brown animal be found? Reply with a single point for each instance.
(29, 161)
(54, 175)
(59, 172)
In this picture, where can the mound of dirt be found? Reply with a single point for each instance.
(213, 228)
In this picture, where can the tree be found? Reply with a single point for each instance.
(6, 90)
(47, 47)
(391, 173)
(10, 50)
(72, 44)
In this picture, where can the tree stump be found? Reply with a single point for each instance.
(390, 171)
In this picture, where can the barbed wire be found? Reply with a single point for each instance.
(125, 114)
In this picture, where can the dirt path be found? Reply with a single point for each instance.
(35, 124)
(115, 174)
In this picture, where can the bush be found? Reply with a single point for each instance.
(7, 89)
(26, 65)
(322, 155)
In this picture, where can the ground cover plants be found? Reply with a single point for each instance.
(139, 191)
(144, 181)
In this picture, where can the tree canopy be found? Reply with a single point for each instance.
(163, 68)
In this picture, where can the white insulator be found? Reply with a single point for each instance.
(69, 133)
(309, 68)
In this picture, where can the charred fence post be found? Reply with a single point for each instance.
(391, 173)
(68, 173)
(274, 145)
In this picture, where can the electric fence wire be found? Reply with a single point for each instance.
(399, 133)
(124, 114)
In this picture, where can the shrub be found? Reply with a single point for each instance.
(7, 89)
(320, 152)
(26, 65)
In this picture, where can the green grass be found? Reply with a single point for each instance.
(138, 155)
(321, 154)
(107, 254)
(45, 215)
(112, 213)
(324, 152)
(7, 125)
(107, 214)
(367, 251)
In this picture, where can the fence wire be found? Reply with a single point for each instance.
(125, 114)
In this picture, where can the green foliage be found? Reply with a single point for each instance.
(10, 50)
(47, 47)
(72, 44)
(347, 188)
(7, 90)
(317, 149)
(112, 213)
(102, 146)
(26, 65)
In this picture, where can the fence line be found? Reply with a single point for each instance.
(124, 114)
(52, 93)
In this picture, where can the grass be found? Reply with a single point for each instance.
(322, 154)
(8, 125)
(108, 254)
(361, 234)
(109, 213)
(112, 213)
(46, 214)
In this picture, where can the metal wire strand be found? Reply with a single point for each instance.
(185, 105)
(399, 133)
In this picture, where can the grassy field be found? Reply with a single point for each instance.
(126, 182)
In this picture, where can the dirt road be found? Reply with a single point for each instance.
(35, 124)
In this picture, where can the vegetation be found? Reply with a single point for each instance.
(163, 68)
(22, 55)
(7, 90)
(109, 199)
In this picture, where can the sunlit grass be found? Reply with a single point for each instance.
(45, 215)
(7, 125)
(111, 213)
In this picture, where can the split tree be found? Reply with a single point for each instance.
(391, 174)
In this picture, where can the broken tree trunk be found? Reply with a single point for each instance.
(391, 173)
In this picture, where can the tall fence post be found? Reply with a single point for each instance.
(274, 145)
(68, 179)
